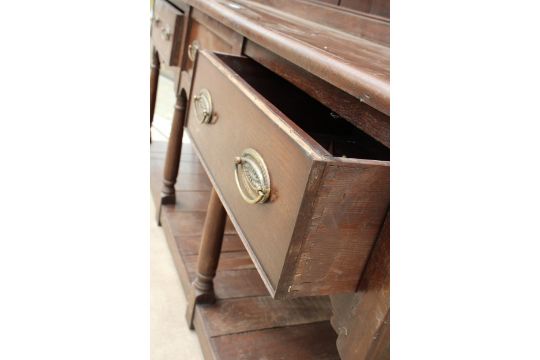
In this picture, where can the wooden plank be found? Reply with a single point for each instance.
(204, 339)
(361, 24)
(190, 223)
(189, 245)
(176, 254)
(362, 320)
(193, 182)
(238, 260)
(189, 201)
(311, 341)
(258, 313)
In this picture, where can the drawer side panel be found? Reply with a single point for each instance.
(348, 213)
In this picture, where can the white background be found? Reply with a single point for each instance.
(74, 184)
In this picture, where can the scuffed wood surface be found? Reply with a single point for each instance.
(362, 320)
(249, 314)
(354, 64)
(302, 342)
(349, 209)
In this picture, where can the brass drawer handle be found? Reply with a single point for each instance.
(203, 106)
(192, 49)
(252, 177)
(166, 33)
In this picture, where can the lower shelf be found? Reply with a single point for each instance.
(245, 322)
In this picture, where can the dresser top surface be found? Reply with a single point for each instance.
(348, 49)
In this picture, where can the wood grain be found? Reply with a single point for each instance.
(316, 231)
(190, 245)
(191, 224)
(347, 215)
(354, 64)
(249, 314)
(338, 19)
(230, 260)
(311, 341)
(362, 320)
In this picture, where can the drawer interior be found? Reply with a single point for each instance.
(331, 131)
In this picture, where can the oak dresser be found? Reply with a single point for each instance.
(287, 106)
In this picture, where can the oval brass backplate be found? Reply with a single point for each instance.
(252, 178)
(203, 106)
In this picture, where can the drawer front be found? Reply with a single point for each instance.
(207, 33)
(239, 124)
(166, 32)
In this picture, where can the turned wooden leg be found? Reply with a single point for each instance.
(174, 148)
(202, 291)
(154, 76)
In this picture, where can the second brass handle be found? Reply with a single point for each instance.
(192, 49)
(203, 106)
(251, 176)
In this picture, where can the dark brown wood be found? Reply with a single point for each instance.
(191, 223)
(208, 34)
(363, 25)
(334, 206)
(376, 7)
(344, 223)
(362, 319)
(166, 32)
(190, 244)
(357, 65)
(315, 233)
(154, 76)
(381, 8)
(373, 122)
(203, 287)
(244, 314)
(238, 283)
(182, 77)
(238, 260)
(174, 148)
(311, 341)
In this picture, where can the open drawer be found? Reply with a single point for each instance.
(306, 190)
(166, 32)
